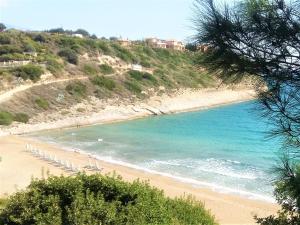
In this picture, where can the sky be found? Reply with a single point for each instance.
(133, 19)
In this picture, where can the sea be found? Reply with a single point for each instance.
(226, 148)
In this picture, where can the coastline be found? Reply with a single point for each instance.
(113, 110)
(18, 167)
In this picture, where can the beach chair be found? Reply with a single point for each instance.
(98, 168)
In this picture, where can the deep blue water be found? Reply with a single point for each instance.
(223, 148)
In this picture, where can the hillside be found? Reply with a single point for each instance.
(43, 73)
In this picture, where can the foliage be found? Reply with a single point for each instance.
(102, 81)
(90, 69)
(106, 69)
(42, 103)
(97, 199)
(133, 87)
(6, 118)
(77, 89)
(40, 38)
(69, 54)
(7, 49)
(137, 75)
(2, 27)
(262, 38)
(82, 32)
(54, 66)
(30, 71)
(21, 117)
(4, 39)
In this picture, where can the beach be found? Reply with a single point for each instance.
(112, 110)
(18, 167)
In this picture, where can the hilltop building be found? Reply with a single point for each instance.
(124, 42)
(171, 44)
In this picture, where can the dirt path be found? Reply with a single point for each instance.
(7, 95)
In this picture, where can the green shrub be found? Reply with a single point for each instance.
(42, 103)
(9, 49)
(103, 46)
(21, 117)
(30, 71)
(123, 53)
(105, 82)
(77, 89)
(98, 199)
(137, 75)
(69, 54)
(106, 69)
(4, 39)
(3, 201)
(6, 118)
(54, 66)
(90, 69)
(133, 87)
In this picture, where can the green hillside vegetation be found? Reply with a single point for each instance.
(65, 56)
(98, 199)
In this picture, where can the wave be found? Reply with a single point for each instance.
(227, 168)
(210, 165)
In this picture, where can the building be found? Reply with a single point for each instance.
(124, 42)
(77, 35)
(175, 45)
(136, 67)
(172, 44)
(203, 48)
(156, 43)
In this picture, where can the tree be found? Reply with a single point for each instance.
(82, 32)
(69, 54)
(2, 27)
(262, 38)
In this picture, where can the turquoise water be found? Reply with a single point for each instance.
(223, 148)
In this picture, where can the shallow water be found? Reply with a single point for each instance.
(223, 148)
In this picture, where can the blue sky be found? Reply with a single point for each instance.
(133, 19)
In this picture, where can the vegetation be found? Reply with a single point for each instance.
(106, 69)
(69, 54)
(2, 27)
(77, 89)
(105, 82)
(90, 69)
(32, 72)
(97, 199)
(133, 86)
(6, 118)
(262, 38)
(42, 103)
(137, 75)
(21, 117)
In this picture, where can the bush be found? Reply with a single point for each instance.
(4, 39)
(21, 117)
(6, 118)
(32, 72)
(137, 75)
(76, 89)
(9, 49)
(90, 69)
(70, 55)
(40, 38)
(104, 82)
(106, 69)
(133, 87)
(42, 103)
(53, 66)
(98, 199)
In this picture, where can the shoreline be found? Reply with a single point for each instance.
(20, 166)
(185, 100)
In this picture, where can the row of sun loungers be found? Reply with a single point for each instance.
(65, 164)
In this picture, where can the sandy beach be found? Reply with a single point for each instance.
(18, 167)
